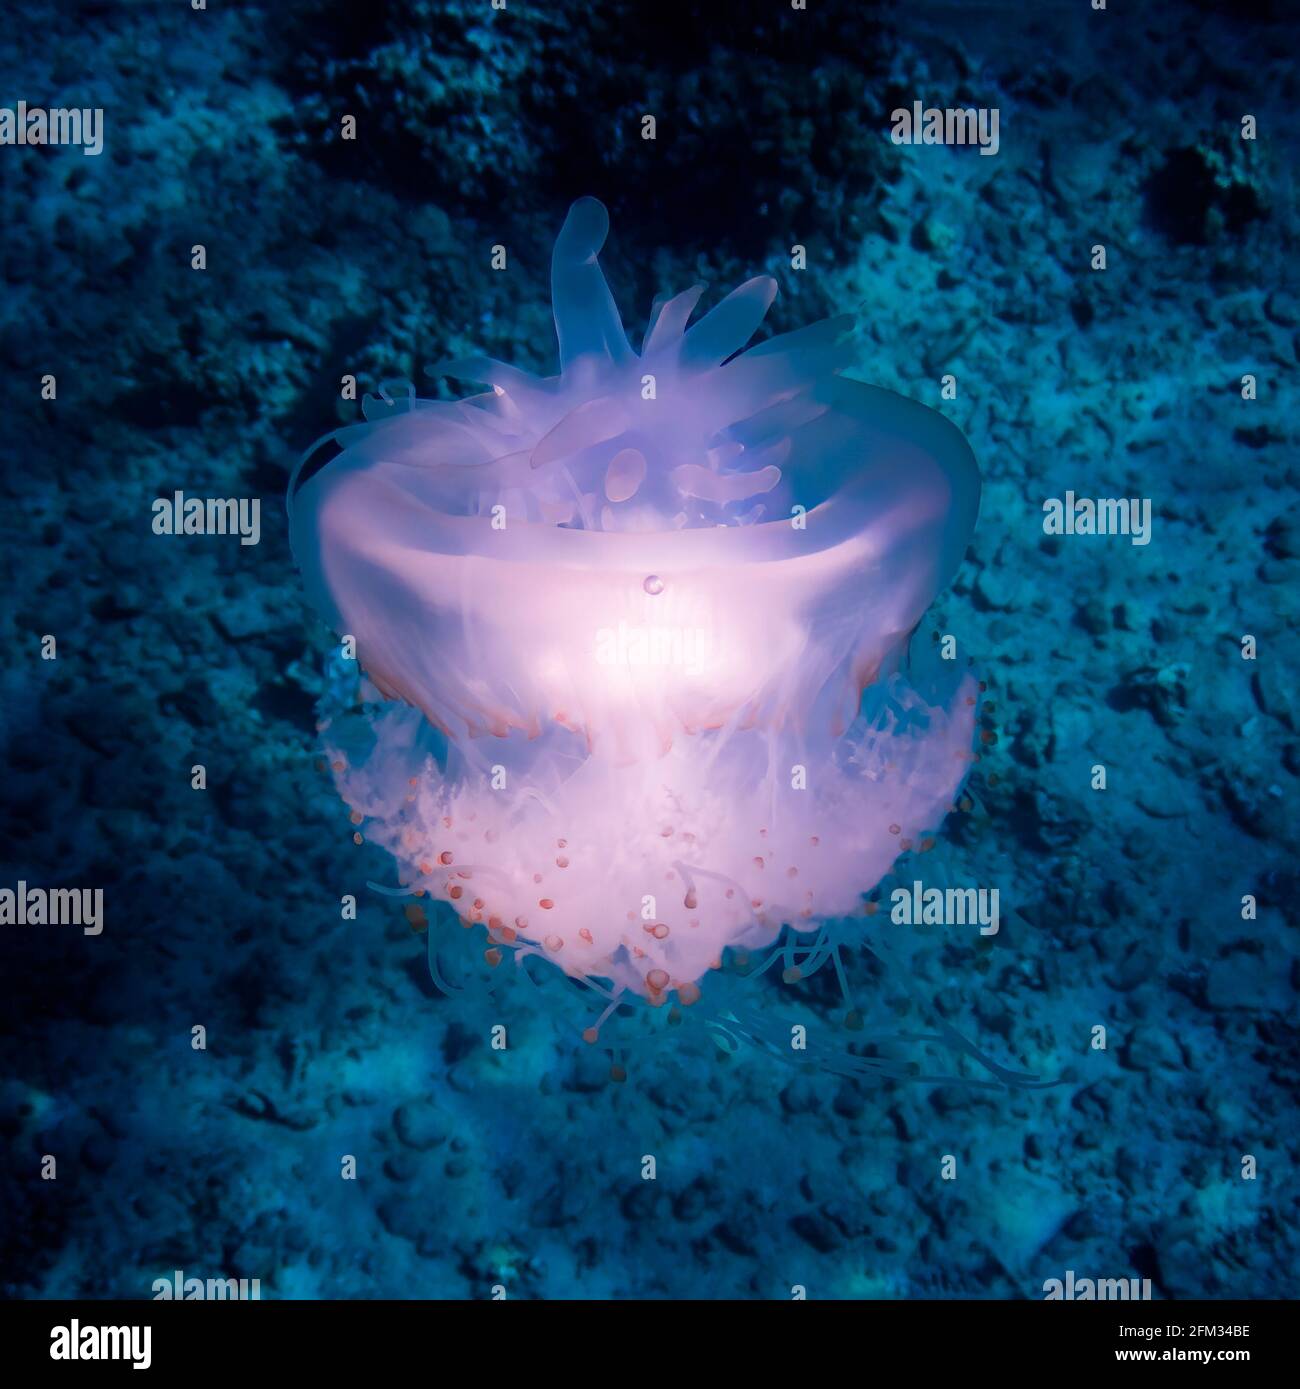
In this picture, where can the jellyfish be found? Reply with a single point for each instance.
(632, 638)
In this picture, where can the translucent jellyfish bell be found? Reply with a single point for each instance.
(641, 600)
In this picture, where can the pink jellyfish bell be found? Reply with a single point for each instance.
(640, 601)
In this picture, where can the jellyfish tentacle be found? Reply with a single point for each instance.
(587, 320)
(669, 322)
(730, 324)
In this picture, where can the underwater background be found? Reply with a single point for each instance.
(326, 1037)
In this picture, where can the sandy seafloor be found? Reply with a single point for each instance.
(522, 1169)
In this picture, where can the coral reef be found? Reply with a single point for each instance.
(1121, 908)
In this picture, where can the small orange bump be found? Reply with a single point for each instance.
(445, 857)
(792, 975)
(688, 994)
(545, 903)
(356, 817)
(657, 980)
(415, 915)
(590, 1034)
(426, 868)
(521, 922)
(413, 781)
(478, 904)
(357, 839)
(339, 766)
(494, 923)
(456, 892)
(493, 957)
(561, 843)
(895, 829)
(561, 862)
(554, 943)
(584, 934)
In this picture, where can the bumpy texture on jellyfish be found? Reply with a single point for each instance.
(619, 623)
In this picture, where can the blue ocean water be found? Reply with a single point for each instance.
(238, 1078)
